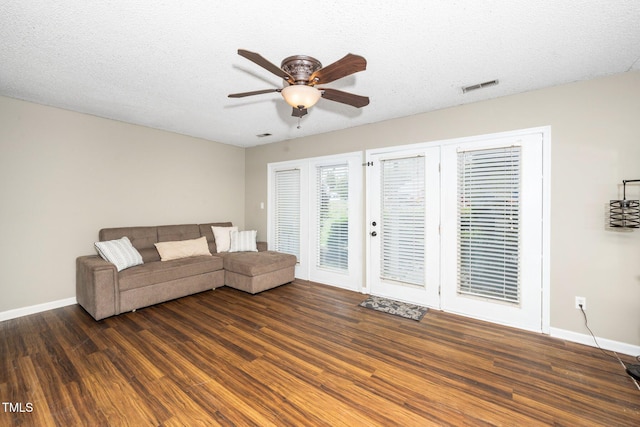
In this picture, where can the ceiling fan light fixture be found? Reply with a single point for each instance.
(301, 96)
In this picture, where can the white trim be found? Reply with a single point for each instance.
(38, 308)
(606, 344)
(546, 228)
(368, 174)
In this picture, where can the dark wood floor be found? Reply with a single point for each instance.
(303, 355)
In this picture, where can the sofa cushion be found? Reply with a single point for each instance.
(242, 241)
(142, 238)
(119, 252)
(257, 263)
(158, 272)
(205, 230)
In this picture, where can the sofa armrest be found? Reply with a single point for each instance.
(262, 246)
(97, 286)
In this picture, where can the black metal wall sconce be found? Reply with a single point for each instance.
(625, 213)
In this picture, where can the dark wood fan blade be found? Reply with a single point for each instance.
(255, 92)
(341, 68)
(344, 97)
(264, 63)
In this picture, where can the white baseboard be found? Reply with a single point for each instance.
(618, 347)
(33, 309)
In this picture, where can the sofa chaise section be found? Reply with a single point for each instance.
(255, 272)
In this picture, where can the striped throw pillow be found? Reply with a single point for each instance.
(243, 241)
(119, 252)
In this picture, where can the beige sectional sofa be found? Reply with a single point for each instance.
(104, 291)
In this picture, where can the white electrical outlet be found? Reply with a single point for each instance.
(581, 301)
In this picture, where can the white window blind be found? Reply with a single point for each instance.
(333, 226)
(403, 220)
(287, 212)
(489, 223)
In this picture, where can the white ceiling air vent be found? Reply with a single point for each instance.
(466, 89)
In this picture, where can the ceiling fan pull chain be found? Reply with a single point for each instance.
(298, 122)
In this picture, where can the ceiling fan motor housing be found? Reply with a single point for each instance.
(301, 67)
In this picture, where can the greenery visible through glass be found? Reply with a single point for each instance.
(333, 212)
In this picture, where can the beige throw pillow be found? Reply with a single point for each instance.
(183, 248)
(223, 237)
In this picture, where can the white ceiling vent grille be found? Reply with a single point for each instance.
(466, 89)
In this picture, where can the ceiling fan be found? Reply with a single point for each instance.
(303, 73)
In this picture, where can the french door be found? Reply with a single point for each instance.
(458, 225)
(315, 213)
(403, 199)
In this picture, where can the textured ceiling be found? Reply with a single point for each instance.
(170, 64)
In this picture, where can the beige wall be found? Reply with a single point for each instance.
(65, 175)
(595, 127)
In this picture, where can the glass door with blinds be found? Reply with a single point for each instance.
(335, 221)
(492, 230)
(403, 200)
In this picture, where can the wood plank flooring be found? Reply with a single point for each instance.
(302, 354)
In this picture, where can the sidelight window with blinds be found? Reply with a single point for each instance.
(287, 212)
(489, 223)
